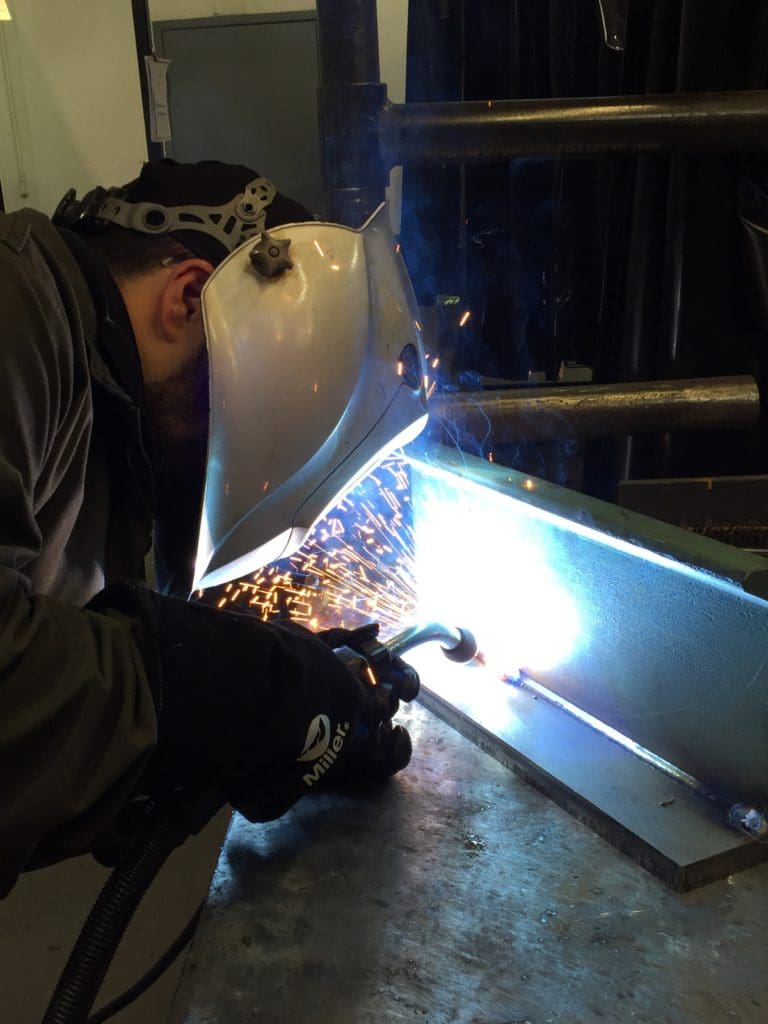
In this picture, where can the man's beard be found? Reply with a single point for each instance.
(178, 410)
(178, 413)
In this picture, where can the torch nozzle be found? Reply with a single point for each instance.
(465, 650)
(458, 644)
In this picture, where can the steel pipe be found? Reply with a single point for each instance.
(557, 413)
(351, 100)
(348, 41)
(500, 130)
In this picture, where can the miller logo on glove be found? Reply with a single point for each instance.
(321, 747)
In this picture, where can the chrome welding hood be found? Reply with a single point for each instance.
(316, 371)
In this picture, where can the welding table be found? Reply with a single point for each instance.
(460, 894)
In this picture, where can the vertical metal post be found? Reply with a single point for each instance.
(352, 100)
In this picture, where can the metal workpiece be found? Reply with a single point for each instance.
(658, 633)
(458, 894)
(485, 131)
(648, 809)
(465, 475)
(559, 413)
(354, 175)
(348, 41)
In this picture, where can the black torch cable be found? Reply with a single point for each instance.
(100, 936)
(156, 971)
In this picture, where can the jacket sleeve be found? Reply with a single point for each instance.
(77, 715)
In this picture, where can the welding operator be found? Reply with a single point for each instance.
(111, 691)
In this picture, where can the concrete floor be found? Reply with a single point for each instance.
(457, 895)
(460, 895)
(41, 918)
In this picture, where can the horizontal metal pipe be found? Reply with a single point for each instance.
(485, 131)
(558, 413)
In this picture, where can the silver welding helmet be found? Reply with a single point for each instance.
(316, 370)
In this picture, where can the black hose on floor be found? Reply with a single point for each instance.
(151, 976)
(111, 914)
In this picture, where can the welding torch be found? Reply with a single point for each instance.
(380, 665)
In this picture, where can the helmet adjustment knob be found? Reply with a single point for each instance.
(269, 256)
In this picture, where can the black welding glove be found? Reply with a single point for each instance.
(387, 748)
(259, 711)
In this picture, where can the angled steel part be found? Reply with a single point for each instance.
(659, 633)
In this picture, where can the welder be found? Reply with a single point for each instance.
(113, 693)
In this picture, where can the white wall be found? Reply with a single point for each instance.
(70, 102)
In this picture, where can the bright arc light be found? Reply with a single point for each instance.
(432, 548)
(479, 565)
(454, 481)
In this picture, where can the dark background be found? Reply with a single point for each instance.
(639, 267)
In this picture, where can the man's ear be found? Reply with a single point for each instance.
(180, 306)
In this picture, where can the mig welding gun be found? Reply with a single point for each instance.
(382, 748)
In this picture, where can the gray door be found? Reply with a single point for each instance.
(244, 90)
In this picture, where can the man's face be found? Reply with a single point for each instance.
(178, 407)
(165, 309)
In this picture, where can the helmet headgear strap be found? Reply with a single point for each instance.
(230, 224)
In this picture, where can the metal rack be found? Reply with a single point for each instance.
(363, 135)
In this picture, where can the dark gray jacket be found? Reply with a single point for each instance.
(77, 717)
